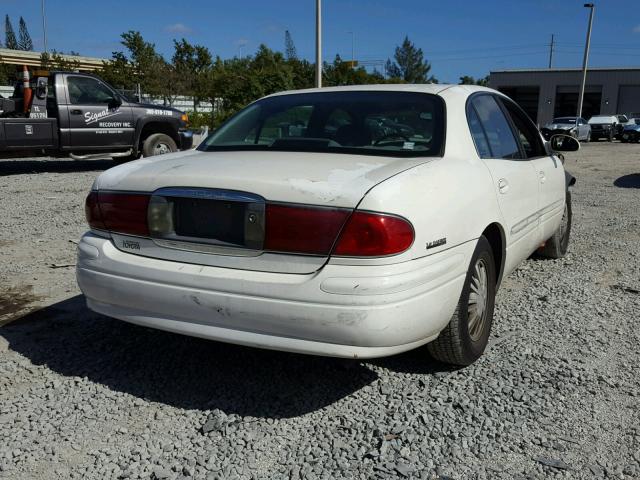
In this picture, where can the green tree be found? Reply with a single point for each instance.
(119, 72)
(140, 65)
(289, 47)
(9, 35)
(342, 73)
(190, 64)
(410, 65)
(55, 60)
(24, 43)
(468, 80)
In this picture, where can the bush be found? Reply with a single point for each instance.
(200, 119)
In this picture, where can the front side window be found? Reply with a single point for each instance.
(88, 91)
(359, 122)
(498, 132)
(526, 130)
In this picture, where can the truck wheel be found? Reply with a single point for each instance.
(158, 144)
(465, 338)
(558, 244)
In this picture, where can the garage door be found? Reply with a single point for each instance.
(628, 99)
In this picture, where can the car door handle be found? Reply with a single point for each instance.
(503, 185)
(76, 112)
(543, 177)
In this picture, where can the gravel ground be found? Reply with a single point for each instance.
(557, 395)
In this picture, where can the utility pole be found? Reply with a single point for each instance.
(551, 45)
(44, 26)
(353, 49)
(592, 7)
(318, 43)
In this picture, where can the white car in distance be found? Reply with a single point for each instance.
(355, 222)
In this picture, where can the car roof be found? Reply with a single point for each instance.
(432, 88)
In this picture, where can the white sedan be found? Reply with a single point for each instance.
(353, 222)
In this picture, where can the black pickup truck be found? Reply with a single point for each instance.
(79, 115)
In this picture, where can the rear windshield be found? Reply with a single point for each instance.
(568, 120)
(369, 123)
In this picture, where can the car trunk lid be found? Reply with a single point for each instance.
(212, 208)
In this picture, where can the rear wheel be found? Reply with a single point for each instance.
(558, 244)
(465, 338)
(158, 144)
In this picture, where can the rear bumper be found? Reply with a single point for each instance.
(344, 311)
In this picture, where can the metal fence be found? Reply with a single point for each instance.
(183, 103)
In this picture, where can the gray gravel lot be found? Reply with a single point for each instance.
(557, 395)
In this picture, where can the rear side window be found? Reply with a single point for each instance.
(497, 130)
(477, 132)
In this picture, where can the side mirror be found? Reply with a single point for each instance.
(564, 143)
(115, 102)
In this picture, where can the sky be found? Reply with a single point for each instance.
(457, 37)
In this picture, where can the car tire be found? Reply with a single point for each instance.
(465, 337)
(558, 244)
(587, 138)
(158, 144)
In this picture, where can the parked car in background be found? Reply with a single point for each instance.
(577, 127)
(603, 126)
(623, 120)
(336, 221)
(631, 131)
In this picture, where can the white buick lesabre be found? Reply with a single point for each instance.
(353, 222)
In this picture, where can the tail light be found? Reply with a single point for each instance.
(370, 234)
(302, 229)
(118, 212)
(92, 212)
(312, 230)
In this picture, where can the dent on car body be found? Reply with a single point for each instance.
(330, 189)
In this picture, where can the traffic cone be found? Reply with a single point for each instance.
(28, 93)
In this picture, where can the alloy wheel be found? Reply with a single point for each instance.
(161, 149)
(478, 298)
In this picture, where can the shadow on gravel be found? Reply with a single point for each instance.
(181, 371)
(20, 167)
(628, 181)
(417, 362)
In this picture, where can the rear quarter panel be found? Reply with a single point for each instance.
(449, 201)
